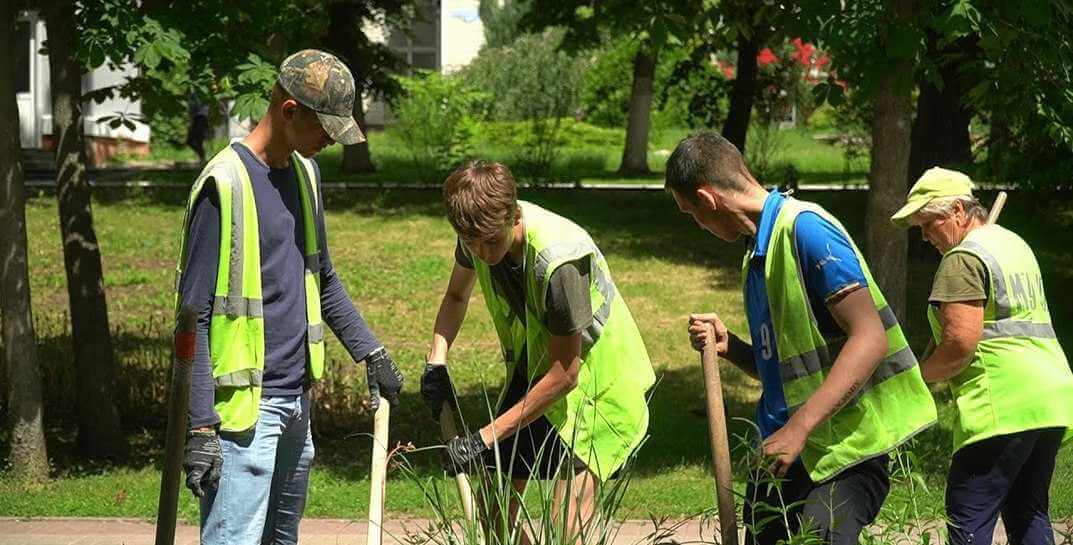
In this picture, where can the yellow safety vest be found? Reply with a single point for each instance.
(892, 407)
(1018, 378)
(605, 417)
(236, 332)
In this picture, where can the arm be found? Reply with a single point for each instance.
(452, 313)
(565, 354)
(864, 349)
(963, 326)
(336, 307)
(196, 288)
(855, 312)
(728, 345)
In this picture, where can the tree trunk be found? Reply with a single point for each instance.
(887, 246)
(736, 126)
(635, 154)
(28, 459)
(940, 134)
(344, 27)
(356, 158)
(99, 431)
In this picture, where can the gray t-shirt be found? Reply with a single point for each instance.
(568, 302)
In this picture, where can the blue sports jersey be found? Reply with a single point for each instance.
(829, 265)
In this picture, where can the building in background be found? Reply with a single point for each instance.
(447, 36)
(35, 101)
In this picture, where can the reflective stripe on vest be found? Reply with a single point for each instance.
(892, 406)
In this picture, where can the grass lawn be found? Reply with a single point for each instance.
(394, 251)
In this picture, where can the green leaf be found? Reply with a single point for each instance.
(1036, 12)
(903, 42)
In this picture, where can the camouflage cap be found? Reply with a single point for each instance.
(321, 82)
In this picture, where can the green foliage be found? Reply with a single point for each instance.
(532, 81)
(605, 97)
(436, 118)
(501, 19)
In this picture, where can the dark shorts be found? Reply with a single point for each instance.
(536, 451)
(835, 511)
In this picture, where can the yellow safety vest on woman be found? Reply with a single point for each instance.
(1018, 378)
(236, 332)
(605, 417)
(889, 409)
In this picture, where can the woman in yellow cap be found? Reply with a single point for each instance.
(995, 345)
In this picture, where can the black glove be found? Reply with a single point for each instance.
(202, 461)
(384, 377)
(462, 452)
(436, 389)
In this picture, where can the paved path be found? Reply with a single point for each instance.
(98, 531)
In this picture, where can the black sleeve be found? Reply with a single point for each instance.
(462, 257)
(196, 288)
(568, 301)
(336, 308)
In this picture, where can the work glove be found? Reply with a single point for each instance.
(463, 452)
(202, 461)
(436, 389)
(384, 376)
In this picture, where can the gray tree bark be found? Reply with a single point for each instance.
(99, 432)
(28, 458)
(635, 154)
(887, 246)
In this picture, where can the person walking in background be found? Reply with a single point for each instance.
(995, 345)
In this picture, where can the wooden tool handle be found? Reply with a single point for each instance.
(717, 433)
(378, 473)
(175, 439)
(996, 209)
(448, 431)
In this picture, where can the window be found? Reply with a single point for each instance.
(419, 47)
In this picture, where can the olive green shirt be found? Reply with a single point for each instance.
(961, 277)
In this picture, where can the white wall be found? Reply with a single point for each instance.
(461, 34)
(96, 79)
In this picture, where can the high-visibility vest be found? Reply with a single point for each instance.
(605, 417)
(236, 332)
(1018, 378)
(889, 409)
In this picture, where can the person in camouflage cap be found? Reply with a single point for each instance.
(322, 83)
(249, 447)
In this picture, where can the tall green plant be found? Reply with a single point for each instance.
(531, 81)
(437, 118)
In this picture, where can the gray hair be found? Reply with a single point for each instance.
(945, 207)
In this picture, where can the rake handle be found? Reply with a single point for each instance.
(717, 433)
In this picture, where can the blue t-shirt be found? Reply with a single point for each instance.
(829, 265)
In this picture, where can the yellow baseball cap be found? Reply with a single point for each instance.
(936, 182)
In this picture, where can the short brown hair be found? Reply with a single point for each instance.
(481, 199)
(706, 158)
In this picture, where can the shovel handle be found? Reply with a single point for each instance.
(717, 433)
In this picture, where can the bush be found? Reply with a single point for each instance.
(437, 118)
(532, 81)
(605, 97)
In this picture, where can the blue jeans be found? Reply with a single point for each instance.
(262, 490)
